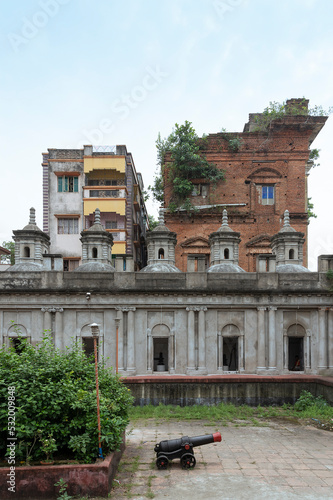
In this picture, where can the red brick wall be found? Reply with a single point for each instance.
(278, 158)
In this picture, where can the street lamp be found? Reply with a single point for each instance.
(95, 333)
(117, 321)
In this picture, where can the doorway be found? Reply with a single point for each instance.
(295, 353)
(230, 354)
(161, 354)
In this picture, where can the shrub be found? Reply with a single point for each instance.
(308, 400)
(56, 395)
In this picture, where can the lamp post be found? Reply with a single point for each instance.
(95, 333)
(117, 321)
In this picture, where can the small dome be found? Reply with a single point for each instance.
(291, 268)
(162, 267)
(225, 267)
(26, 267)
(94, 267)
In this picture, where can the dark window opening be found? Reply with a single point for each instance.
(296, 353)
(291, 254)
(226, 253)
(26, 252)
(88, 347)
(94, 253)
(230, 354)
(161, 354)
(161, 253)
(70, 264)
(17, 344)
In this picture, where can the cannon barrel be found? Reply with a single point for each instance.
(171, 445)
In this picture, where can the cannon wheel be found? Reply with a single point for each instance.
(162, 462)
(188, 461)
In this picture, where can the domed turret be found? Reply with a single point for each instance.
(224, 245)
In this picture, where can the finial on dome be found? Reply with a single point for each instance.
(286, 222)
(97, 216)
(32, 218)
(225, 218)
(161, 215)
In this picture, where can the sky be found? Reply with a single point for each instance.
(102, 72)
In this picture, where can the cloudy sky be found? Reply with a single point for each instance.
(78, 72)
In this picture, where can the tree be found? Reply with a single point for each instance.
(8, 259)
(184, 148)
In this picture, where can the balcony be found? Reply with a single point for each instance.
(105, 192)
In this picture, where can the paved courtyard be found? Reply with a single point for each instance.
(277, 461)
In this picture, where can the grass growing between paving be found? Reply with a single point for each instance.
(307, 408)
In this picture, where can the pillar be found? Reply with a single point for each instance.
(172, 349)
(271, 339)
(261, 353)
(308, 350)
(131, 341)
(285, 351)
(120, 339)
(322, 345)
(241, 353)
(219, 352)
(149, 351)
(59, 340)
(47, 320)
(202, 341)
(330, 339)
(190, 340)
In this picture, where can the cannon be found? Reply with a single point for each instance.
(182, 448)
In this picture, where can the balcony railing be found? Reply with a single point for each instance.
(104, 193)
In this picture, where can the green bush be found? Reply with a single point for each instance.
(56, 396)
(308, 400)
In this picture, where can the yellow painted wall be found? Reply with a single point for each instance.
(100, 163)
(118, 206)
(119, 247)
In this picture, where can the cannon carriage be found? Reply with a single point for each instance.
(182, 448)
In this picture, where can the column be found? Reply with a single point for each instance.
(330, 339)
(219, 352)
(322, 345)
(172, 351)
(261, 352)
(59, 340)
(131, 341)
(47, 320)
(120, 339)
(149, 351)
(285, 350)
(241, 353)
(308, 350)
(202, 341)
(271, 339)
(190, 340)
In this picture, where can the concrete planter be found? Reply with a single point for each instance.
(37, 482)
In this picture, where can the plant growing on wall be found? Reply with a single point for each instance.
(310, 207)
(187, 164)
(277, 110)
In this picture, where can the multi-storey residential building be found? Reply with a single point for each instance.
(266, 170)
(75, 183)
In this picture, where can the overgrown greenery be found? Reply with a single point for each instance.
(187, 164)
(8, 259)
(306, 407)
(310, 207)
(277, 110)
(56, 400)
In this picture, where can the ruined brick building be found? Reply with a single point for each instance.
(265, 174)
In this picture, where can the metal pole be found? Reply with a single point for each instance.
(95, 333)
(117, 321)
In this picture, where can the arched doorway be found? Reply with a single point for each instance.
(295, 334)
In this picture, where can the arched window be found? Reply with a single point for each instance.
(26, 251)
(291, 254)
(226, 253)
(94, 253)
(161, 253)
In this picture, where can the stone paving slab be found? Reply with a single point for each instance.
(276, 461)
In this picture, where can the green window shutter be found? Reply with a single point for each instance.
(66, 184)
(59, 184)
(76, 184)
